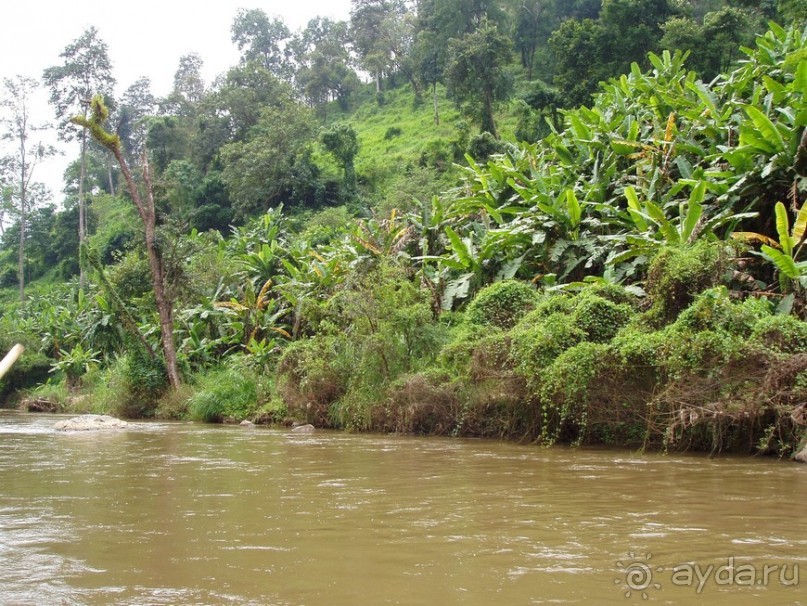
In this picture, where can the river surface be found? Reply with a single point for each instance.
(195, 514)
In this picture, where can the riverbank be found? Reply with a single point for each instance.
(686, 365)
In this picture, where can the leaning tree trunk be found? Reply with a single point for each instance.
(23, 218)
(148, 215)
(165, 307)
(82, 209)
(165, 304)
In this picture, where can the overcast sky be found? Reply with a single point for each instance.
(145, 38)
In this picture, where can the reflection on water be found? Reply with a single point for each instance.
(189, 514)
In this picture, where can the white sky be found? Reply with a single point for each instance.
(145, 38)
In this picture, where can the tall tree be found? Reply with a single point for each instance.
(262, 40)
(477, 75)
(793, 11)
(189, 87)
(273, 164)
(633, 28)
(715, 43)
(148, 214)
(531, 28)
(366, 24)
(85, 71)
(321, 54)
(580, 59)
(455, 18)
(19, 128)
(398, 30)
(137, 103)
(342, 142)
(431, 61)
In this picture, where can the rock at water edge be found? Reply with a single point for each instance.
(90, 423)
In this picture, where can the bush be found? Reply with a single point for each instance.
(224, 395)
(545, 307)
(535, 347)
(713, 309)
(491, 357)
(600, 318)
(638, 348)
(613, 292)
(455, 357)
(699, 353)
(312, 375)
(482, 146)
(135, 383)
(418, 404)
(566, 391)
(436, 154)
(677, 275)
(392, 132)
(786, 334)
(502, 304)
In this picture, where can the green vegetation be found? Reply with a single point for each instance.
(629, 272)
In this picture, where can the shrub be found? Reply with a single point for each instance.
(491, 357)
(677, 275)
(786, 334)
(455, 356)
(312, 375)
(482, 146)
(419, 404)
(713, 309)
(535, 347)
(613, 292)
(600, 318)
(436, 154)
(502, 304)
(702, 352)
(392, 132)
(224, 395)
(565, 391)
(639, 348)
(141, 383)
(544, 307)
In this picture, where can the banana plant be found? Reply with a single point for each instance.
(255, 314)
(75, 363)
(786, 252)
(651, 228)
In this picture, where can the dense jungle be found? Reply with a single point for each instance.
(542, 221)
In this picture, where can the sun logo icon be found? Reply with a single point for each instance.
(637, 575)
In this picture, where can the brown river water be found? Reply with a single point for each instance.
(167, 513)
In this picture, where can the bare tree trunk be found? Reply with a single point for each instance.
(434, 99)
(488, 123)
(148, 215)
(82, 210)
(165, 304)
(165, 307)
(23, 218)
(109, 177)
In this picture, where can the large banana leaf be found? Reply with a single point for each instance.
(783, 262)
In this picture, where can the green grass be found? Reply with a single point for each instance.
(395, 136)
